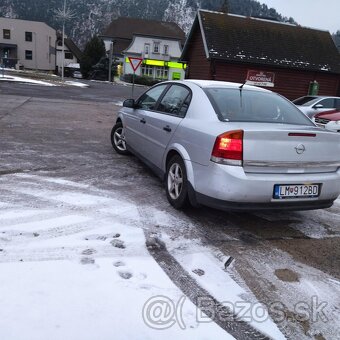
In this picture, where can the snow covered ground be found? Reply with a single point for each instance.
(13, 78)
(74, 265)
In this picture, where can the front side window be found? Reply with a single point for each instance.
(235, 105)
(327, 103)
(6, 34)
(156, 47)
(175, 101)
(28, 36)
(149, 99)
(28, 55)
(337, 103)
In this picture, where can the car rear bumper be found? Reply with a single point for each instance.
(227, 205)
(230, 187)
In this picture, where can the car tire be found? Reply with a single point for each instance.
(118, 139)
(176, 183)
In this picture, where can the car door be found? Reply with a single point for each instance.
(135, 119)
(162, 123)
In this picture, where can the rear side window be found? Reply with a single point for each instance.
(237, 105)
(305, 101)
(175, 101)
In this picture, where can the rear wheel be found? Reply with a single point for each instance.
(176, 183)
(118, 139)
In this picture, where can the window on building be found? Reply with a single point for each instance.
(166, 49)
(28, 55)
(68, 55)
(156, 47)
(6, 34)
(147, 70)
(161, 73)
(28, 36)
(147, 48)
(6, 53)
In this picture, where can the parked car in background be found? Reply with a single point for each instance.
(311, 105)
(329, 120)
(230, 146)
(77, 74)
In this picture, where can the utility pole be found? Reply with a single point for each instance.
(63, 44)
(110, 60)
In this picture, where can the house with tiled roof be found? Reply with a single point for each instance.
(72, 54)
(284, 57)
(158, 43)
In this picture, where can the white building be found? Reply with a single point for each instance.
(30, 44)
(72, 54)
(160, 57)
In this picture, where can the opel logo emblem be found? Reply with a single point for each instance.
(300, 149)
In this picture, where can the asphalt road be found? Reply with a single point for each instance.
(96, 91)
(278, 256)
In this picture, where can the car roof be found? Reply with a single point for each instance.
(318, 97)
(217, 83)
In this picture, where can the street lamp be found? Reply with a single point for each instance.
(64, 14)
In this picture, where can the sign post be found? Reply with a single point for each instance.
(135, 63)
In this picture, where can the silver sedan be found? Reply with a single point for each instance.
(230, 146)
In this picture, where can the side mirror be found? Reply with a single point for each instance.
(318, 106)
(129, 103)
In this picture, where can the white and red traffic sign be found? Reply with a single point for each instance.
(135, 62)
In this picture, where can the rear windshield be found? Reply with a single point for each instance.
(305, 101)
(235, 105)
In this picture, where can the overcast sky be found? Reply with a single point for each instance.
(321, 14)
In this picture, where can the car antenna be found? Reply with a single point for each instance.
(241, 88)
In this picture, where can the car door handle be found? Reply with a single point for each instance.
(167, 128)
(143, 121)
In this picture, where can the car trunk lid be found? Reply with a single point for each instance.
(290, 149)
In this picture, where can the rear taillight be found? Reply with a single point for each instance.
(228, 148)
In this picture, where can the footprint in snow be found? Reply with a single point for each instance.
(119, 264)
(118, 243)
(89, 251)
(87, 260)
(125, 275)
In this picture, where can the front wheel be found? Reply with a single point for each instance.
(176, 183)
(118, 139)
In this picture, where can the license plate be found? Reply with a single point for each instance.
(282, 191)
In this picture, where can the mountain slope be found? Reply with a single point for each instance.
(90, 17)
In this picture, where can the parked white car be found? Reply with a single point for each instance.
(311, 105)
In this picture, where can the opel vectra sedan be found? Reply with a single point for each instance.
(230, 146)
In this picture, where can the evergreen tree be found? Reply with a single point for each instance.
(94, 51)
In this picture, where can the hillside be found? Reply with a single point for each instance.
(91, 16)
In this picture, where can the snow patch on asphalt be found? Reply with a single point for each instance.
(221, 286)
(76, 83)
(25, 80)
